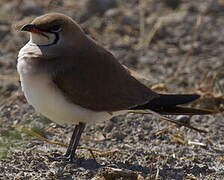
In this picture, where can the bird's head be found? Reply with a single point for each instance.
(54, 29)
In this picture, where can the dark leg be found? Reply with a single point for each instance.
(74, 141)
(74, 134)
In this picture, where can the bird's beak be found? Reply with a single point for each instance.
(28, 27)
(31, 28)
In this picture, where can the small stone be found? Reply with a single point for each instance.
(174, 4)
(96, 7)
(118, 136)
(109, 126)
(30, 8)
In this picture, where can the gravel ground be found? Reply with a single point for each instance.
(177, 44)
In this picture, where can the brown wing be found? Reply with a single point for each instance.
(94, 79)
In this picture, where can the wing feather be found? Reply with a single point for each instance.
(94, 79)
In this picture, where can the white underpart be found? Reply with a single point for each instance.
(39, 39)
(42, 94)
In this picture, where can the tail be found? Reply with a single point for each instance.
(168, 104)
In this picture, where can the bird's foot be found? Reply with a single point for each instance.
(63, 158)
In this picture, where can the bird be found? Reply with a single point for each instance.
(71, 79)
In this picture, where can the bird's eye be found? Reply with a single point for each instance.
(55, 28)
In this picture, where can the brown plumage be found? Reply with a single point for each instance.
(82, 81)
(97, 81)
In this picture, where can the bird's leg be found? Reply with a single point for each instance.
(74, 141)
(74, 134)
(69, 149)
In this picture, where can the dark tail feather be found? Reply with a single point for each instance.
(173, 99)
(168, 100)
(167, 104)
(179, 110)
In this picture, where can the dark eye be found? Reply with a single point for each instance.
(55, 28)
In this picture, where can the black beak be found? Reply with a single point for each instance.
(27, 27)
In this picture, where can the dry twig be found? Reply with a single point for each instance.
(168, 119)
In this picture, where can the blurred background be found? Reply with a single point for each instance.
(177, 44)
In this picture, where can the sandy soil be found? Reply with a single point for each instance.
(178, 45)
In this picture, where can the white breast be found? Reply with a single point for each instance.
(41, 93)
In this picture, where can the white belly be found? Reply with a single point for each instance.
(41, 93)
